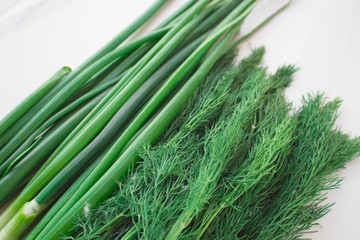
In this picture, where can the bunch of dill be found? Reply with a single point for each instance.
(235, 164)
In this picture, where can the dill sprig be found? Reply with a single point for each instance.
(250, 173)
(253, 181)
(233, 142)
(318, 152)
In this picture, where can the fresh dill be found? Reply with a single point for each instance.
(235, 164)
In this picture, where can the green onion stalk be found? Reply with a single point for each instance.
(56, 120)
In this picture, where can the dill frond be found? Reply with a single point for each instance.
(318, 152)
(248, 178)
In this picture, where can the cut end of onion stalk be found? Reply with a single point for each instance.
(16, 227)
(31, 209)
(67, 68)
(87, 210)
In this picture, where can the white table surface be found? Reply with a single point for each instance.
(322, 37)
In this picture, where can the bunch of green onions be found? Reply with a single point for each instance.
(63, 146)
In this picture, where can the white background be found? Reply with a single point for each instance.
(322, 37)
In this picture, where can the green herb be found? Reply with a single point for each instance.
(319, 151)
(224, 154)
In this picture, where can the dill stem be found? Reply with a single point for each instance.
(220, 208)
(130, 235)
(180, 224)
(119, 218)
